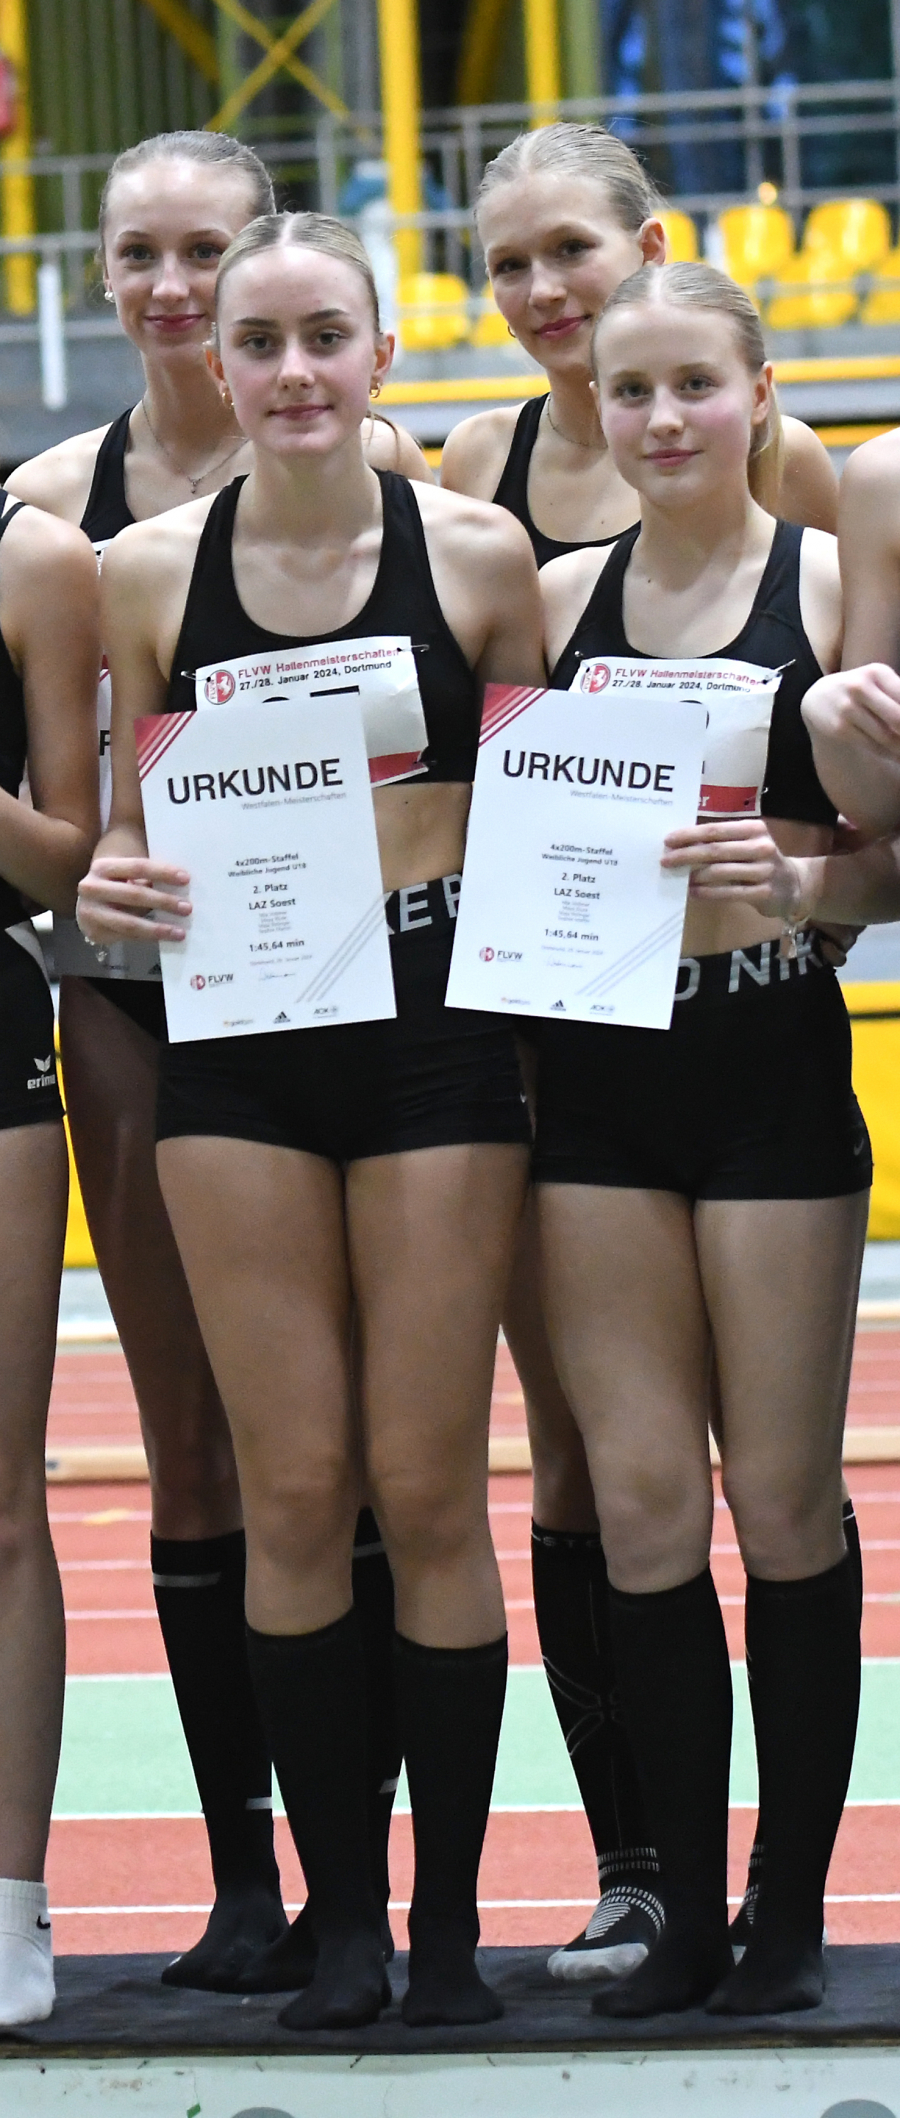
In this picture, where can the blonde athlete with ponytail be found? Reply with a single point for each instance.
(702, 1191)
(170, 207)
(565, 214)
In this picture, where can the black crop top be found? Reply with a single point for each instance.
(773, 638)
(13, 736)
(107, 510)
(403, 601)
(512, 491)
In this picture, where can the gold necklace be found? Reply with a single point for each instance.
(593, 446)
(201, 475)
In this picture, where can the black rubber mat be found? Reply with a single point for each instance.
(116, 2004)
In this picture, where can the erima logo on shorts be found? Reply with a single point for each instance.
(46, 1074)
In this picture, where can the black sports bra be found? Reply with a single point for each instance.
(107, 510)
(773, 638)
(403, 601)
(512, 491)
(13, 734)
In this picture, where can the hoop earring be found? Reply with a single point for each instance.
(510, 330)
(227, 398)
(375, 389)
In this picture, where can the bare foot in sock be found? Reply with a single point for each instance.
(681, 1972)
(445, 1985)
(776, 1976)
(349, 1987)
(241, 1924)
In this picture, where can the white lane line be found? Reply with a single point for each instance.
(76, 1617)
(399, 1904)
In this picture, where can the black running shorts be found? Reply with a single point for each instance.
(747, 1096)
(433, 1077)
(29, 1094)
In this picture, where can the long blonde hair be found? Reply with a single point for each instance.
(702, 287)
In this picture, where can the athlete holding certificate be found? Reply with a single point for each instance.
(170, 207)
(702, 1190)
(565, 213)
(381, 1164)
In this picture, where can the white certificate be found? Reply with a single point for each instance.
(737, 698)
(379, 671)
(269, 809)
(565, 910)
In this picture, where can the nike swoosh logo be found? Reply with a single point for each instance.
(44, 1925)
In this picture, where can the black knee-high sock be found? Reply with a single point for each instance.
(373, 1598)
(854, 1556)
(571, 1607)
(803, 1649)
(199, 1589)
(310, 1688)
(451, 1707)
(675, 1678)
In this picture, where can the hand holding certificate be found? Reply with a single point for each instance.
(269, 809)
(566, 910)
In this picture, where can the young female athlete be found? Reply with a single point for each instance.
(565, 214)
(49, 657)
(381, 1165)
(170, 208)
(702, 1192)
(854, 719)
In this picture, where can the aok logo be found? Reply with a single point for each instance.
(219, 688)
(487, 955)
(595, 679)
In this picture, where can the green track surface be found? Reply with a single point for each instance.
(124, 1753)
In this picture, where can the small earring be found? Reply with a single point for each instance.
(510, 330)
(375, 389)
(227, 398)
(108, 294)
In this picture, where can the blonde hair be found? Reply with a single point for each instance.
(581, 151)
(309, 231)
(211, 149)
(702, 287)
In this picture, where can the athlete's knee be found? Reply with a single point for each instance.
(563, 1493)
(784, 1525)
(299, 1519)
(193, 1480)
(426, 1517)
(655, 1523)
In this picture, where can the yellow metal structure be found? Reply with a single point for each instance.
(875, 1015)
(543, 59)
(195, 41)
(279, 53)
(398, 34)
(480, 53)
(18, 189)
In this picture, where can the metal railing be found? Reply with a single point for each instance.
(770, 129)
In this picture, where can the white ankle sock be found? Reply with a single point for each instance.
(26, 1954)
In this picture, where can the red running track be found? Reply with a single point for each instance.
(537, 1876)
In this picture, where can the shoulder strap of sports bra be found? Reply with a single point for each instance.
(109, 463)
(605, 605)
(9, 512)
(514, 475)
(402, 523)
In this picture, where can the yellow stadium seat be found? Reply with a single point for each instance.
(853, 235)
(433, 311)
(490, 329)
(757, 241)
(682, 247)
(882, 303)
(818, 301)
